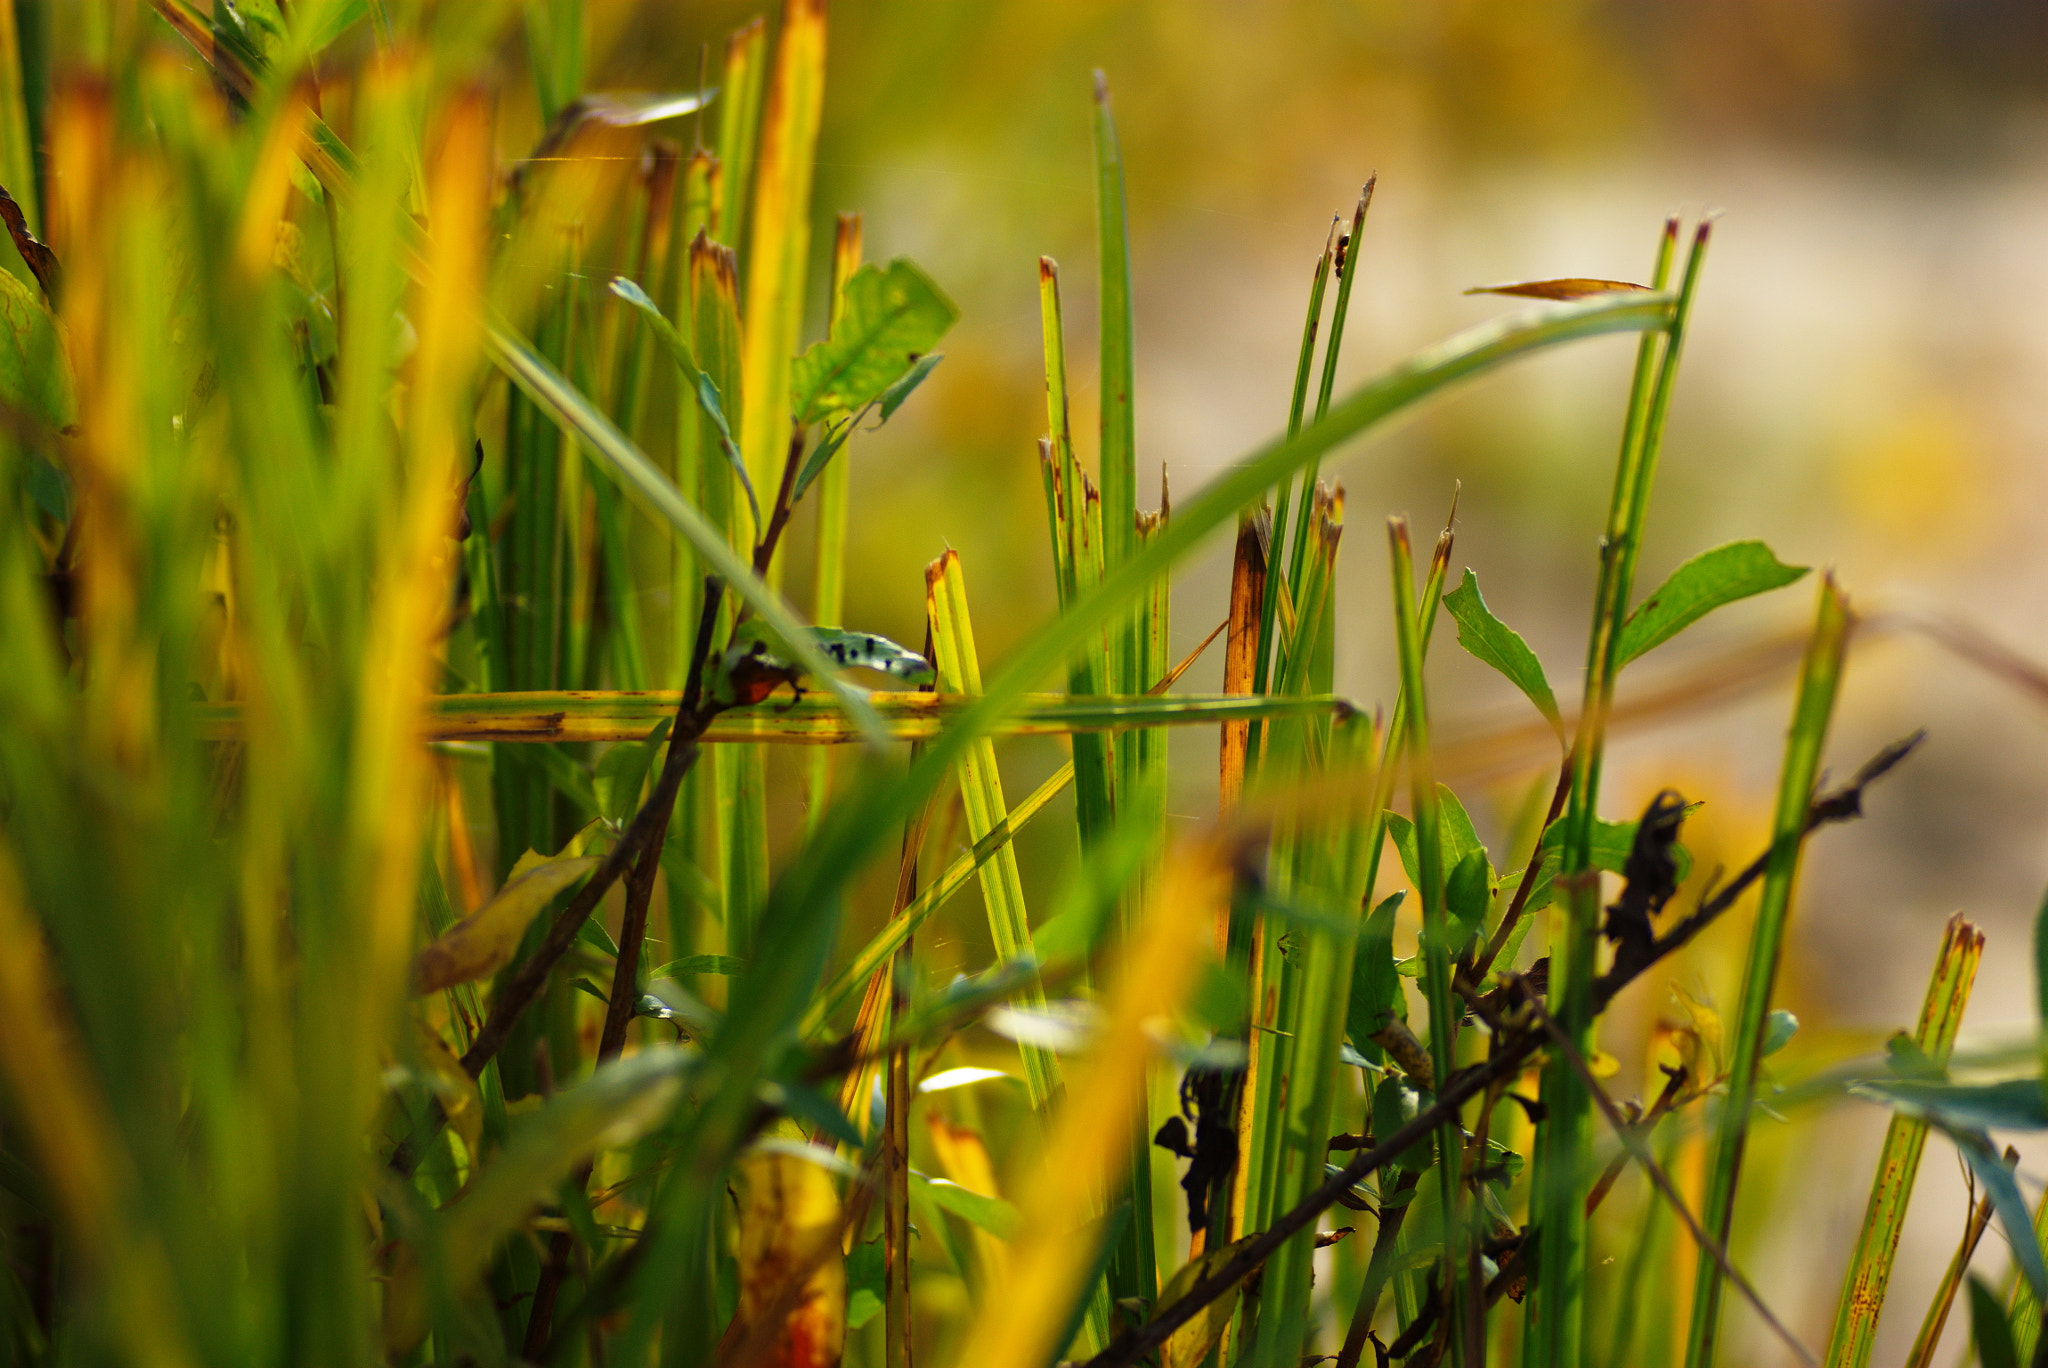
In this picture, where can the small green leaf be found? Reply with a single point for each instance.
(1696, 588)
(865, 1269)
(892, 398)
(1989, 1329)
(888, 319)
(707, 392)
(998, 1217)
(835, 433)
(1455, 832)
(1376, 998)
(1468, 891)
(1487, 638)
(1779, 1028)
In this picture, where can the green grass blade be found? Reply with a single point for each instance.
(1118, 454)
(739, 129)
(1347, 275)
(1898, 1164)
(1436, 932)
(1819, 680)
(1276, 581)
(981, 793)
(847, 983)
(828, 582)
(1075, 515)
(1557, 1310)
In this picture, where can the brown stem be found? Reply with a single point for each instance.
(1376, 1273)
(1513, 915)
(694, 715)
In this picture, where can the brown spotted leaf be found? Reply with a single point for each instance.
(483, 942)
(1570, 287)
(792, 1272)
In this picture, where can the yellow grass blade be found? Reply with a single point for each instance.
(1090, 1144)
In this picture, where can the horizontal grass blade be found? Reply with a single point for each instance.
(901, 716)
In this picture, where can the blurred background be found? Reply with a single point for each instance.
(1863, 389)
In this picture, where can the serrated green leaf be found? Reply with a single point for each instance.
(1708, 581)
(889, 317)
(1486, 638)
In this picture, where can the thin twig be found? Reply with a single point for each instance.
(694, 715)
(1508, 1059)
(1498, 942)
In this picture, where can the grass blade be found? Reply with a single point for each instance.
(981, 793)
(778, 248)
(1090, 1142)
(739, 129)
(1819, 680)
(1436, 931)
(1898, 1164)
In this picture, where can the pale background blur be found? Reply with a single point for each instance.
(1863, 389)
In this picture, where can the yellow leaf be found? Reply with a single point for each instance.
(452, 1084)
(1603, 1065)
(963, 1159)
(1570, 287)
(1092, 1133)
(1189, 1345)
(789, 1233)
(483, 942)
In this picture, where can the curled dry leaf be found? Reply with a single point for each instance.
(1570, 287)
(457, 1091)
(483, 942)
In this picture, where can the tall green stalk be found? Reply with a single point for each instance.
(1819, 679)
(1564, 1143)
(1436, 931)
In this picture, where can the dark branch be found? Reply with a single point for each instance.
(1510, 1054)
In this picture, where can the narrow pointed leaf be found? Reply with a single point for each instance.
(1487, 638)
(1706, 582)
(1568, 287)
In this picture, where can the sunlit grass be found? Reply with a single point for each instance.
(397, 564)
